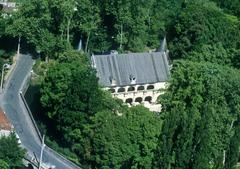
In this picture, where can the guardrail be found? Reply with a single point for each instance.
(31, 116)
(22, 93)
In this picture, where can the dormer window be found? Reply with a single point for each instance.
(132, 79)
(113, 81)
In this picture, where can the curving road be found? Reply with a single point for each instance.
(17, 113)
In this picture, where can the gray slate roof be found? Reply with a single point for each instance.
(145, 67)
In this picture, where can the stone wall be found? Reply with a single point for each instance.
(146, 94)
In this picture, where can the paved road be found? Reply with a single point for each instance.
(11, 102)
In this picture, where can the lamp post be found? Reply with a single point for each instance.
(18, 48)
(3, 67)
(41, 154)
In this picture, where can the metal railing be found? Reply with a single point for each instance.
(22, 93)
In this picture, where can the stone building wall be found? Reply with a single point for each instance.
(146, 94)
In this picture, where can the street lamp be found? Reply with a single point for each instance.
(41, 154)
(3, 67)
(19, 42)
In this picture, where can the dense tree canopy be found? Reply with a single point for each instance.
(202, 114)
(101, 131)
(231, 6)
(200, 108)
(202, 23)
(51, 26)
(124, 141)
(70, 90)
(102, 25)
(11, 154)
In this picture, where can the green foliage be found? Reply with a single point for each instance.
(135, 25)
(124, 24)
(10, 153)
(231, 6)
(99, 130)
(215, 53)
(3, 164)
(201, 23)
(124, 139)
(200, 107)
(70, 93)
(64, 151)
(87, 19)
(233, 152)
(34, 21)
(70, 82)
(2, 25)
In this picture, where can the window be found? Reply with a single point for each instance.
(129, 100)
(140, 88)
(131, 88)
(120, 90)
(150, 87)
(138, 99)
(148, 98)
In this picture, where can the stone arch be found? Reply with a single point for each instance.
(138, 99)
(148, 99)
(131, 88)
(121, 90)
(140, 88)
(111, 90)
(129, 100)
(149, 87)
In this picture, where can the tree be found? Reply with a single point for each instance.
(3, 165)
(72, 68)
(87, 19)
(11, 154)
(70, 93)
(137, 25)
(31, 22)
(62, 14)
(200, 111)
(215, 53)
(160, 22)
(232, 155)
(2, 25)
(202, 23)
(124, 139)
(231, 6)
(44, 24)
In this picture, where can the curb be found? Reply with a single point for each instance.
(21, 93)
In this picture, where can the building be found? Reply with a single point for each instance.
(5, 126)
(7, 6)
(135, 78)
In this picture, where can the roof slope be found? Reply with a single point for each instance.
(145, 67)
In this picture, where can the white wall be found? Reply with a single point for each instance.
(137, 95)
(4, 133)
